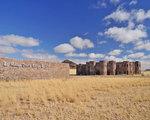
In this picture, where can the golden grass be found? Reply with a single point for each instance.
(146, 73)
(78, 98)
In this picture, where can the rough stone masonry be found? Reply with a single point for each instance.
(109, 68)
(11, 69)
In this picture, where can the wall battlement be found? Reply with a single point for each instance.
(11, 69)
(109, 68)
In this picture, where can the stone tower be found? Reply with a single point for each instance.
(103, 67)
(79, 69)
(137, 67)
(90, 68)
(111, 68)
(97, 68)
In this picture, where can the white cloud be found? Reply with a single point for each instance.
(109, 58)
(135, 32)
(126, 35)
(4, 42)
(95, 56)
(100, 4)
(103, 4)
(100, 33)
(133, 2)
(115, 52)
(102, 42)
(140, 15)
(121, 45)
(12, 39)
(142, 57)
(131, 25)
(80, 43)
(85, 55)
(136, 55)
(114, 1)
(38, 55)
(7, 50)
(64, 48)
(145, 64)
(9, 43)
(78, 61)
(143, 45)
(146, 57)
(129, 51)
(76, 55)
(119, 15)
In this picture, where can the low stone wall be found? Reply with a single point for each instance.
(11, 69)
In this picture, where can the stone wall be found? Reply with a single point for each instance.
(128, 68)
(81, 69)
(109, 68)
(90, 70)
(103, 67)
(123, 68)
(97, 68)
(11, 69)
(137, 67)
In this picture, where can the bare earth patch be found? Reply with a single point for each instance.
(78, 98)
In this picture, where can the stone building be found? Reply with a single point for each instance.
(109, 68)
(72, 66)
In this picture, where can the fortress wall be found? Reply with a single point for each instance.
(90, 68)
(79, 69)
(97, 68)
(11, 69)
(103, 67)
(111, 68)
(137, 67)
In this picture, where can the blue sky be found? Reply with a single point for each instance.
(79, 30)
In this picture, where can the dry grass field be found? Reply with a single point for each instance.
(78, 98)
(146, 73)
